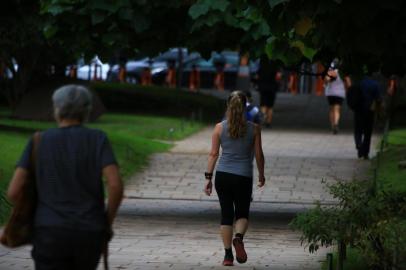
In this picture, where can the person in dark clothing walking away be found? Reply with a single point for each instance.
(240, 140)
(72, 224)
(367, 104)
(267, 87)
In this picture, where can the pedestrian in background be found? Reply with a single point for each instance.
(243, 82)
(267, 87)
(369, 104)
(240, 140)
(335, 93)
(71, 224)
(253, 114)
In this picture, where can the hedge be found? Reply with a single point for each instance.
(158, 100)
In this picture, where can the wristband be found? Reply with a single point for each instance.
(208, 175)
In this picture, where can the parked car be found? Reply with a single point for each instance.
(207, 68)
(157, 64)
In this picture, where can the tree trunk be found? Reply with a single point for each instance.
(21, 78)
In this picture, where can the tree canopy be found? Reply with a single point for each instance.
(363, 34)
(102, 26)
(40, 34)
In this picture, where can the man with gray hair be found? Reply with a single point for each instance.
(72, 223)
(72, 102)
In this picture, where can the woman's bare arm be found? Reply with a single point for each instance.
(215, 148)
(259, 155)
(213, 156)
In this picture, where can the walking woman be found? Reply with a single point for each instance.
(71, 224)
(240, 140)
(335, 92)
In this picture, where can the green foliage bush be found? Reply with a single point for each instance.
(372, 221)
(354, 261)
(159, 101)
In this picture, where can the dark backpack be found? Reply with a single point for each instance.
(354, 97)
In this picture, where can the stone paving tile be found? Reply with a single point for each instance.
(285, 182)
(164, 234)
(168, 234)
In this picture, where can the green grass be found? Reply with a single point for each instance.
(133, 137)
(11, 146)
(151, 127)
(397, 137)
(389, 175)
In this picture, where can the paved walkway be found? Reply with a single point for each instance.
(167, 223)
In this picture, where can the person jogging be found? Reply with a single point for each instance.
(335, 93)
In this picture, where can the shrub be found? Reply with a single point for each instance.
(159, 101)
(374, 222)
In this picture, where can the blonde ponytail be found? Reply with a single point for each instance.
(237, 124)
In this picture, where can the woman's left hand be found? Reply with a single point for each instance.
(208, 187)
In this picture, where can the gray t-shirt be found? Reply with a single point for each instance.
(69, 177)
(237, 154)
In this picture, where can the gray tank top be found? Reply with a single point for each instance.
(237, 154)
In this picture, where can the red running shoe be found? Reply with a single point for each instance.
(228, 261)
(240, 253)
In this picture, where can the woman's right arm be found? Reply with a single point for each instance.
(213, 156)
(259, 156)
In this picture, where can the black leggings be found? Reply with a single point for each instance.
(234, 192)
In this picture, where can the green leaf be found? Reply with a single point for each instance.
(198, 9)
(273, 3)
(279, 49)
(252, 14)
(199, 23)
(245, 24)
(219, 5)
(105, 6)
(272, 49)
(109, 39)
(263, 29)
(303, 26)
(55, 9)
(307, 52)
(126, 14)
(97, 17)
(141, 23)
(50, 31)
(230, 19)
(212, 19)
